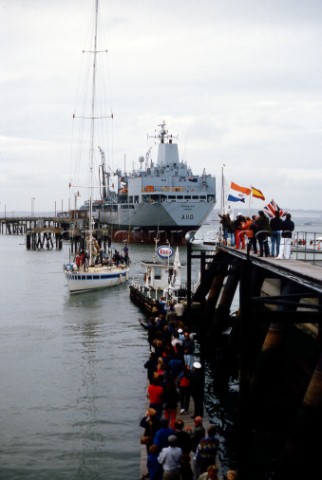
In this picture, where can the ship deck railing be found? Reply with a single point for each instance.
(137, 282)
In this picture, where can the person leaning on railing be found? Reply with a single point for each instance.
(263, 230)
(287, 229)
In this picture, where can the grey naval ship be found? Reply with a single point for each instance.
(161, 200)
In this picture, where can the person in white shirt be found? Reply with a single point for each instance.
(169, 458)
(179, 309)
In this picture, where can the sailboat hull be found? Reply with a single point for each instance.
(96, 278)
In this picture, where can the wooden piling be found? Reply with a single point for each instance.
(302, 454)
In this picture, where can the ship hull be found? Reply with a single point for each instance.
(145, 221)
(176, 236)
(173, 214)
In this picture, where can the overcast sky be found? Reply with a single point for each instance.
(239, 82)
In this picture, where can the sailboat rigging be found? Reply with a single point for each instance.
(91, 269)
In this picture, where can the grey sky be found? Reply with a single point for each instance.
(240, 82)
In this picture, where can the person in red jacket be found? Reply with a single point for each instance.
(250, 234)
(155, 394)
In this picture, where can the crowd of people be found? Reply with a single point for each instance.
(176, 450)
(99, 257)
(258, 230)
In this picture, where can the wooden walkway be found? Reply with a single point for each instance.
(302, 272)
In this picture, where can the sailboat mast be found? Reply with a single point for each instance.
(91, 165)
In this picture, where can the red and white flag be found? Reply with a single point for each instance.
(271, 208)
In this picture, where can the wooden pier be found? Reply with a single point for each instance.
(41, 232)
(22, 225)
(275, 341)
(46, 233)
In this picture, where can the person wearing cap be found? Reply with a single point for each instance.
(197, 389)
(169, 458)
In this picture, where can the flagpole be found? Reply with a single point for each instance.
(222, 189)
(222, 200)
(250, 197)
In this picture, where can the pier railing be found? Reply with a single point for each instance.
(307, 247)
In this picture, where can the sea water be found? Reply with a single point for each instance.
(71, 370)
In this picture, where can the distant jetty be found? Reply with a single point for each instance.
(48, 232)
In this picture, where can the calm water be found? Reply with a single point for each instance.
(71, 369)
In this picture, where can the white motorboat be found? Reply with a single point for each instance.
(161, 279)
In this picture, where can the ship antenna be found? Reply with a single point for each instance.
(163, 134)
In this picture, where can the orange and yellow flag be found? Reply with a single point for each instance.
(257, 193)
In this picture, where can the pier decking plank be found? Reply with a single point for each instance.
(301, 272)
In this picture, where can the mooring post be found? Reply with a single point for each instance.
(302, 454)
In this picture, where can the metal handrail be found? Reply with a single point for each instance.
(306, 246)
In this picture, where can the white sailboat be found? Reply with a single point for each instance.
(92, 271)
